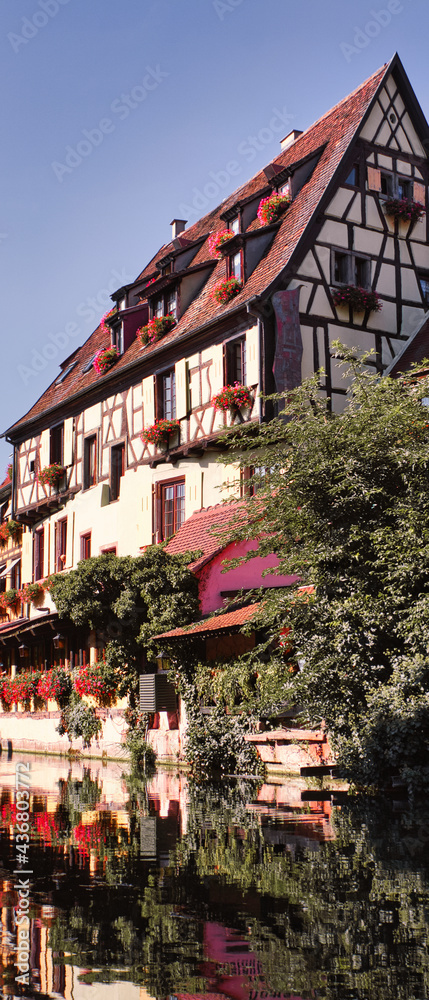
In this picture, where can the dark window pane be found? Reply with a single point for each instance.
(89, 463)
(56, 444)
(117, 460)
(341, 262)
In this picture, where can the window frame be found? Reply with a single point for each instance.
(235, 370)
(115, 479)
(159, 304)
(396, 179)
(162, 411)
(60, 542)
(38, 554)
(56, 444)
(88, 481)
(423, 276)
(233, 268)
(351, 257)
(85, 542)
(160, 514)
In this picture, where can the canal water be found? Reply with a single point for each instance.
(130, 889)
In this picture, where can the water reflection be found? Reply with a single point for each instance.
(162, 889)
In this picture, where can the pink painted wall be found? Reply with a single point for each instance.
(247, 576)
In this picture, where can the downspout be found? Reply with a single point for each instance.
(253, 310)
(13, 505)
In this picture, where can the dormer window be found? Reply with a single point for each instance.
(117, 338)
(234, 225)
(158, 308)
(171, 303)
(235, 266)
(286, 189)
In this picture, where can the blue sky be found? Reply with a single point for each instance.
(119, 115)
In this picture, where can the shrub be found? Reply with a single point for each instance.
(141, 754)
(215, 745)
(79, 720)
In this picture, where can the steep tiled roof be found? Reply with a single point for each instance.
(330, 136)
(415, 350)
(200, 532)
(218, 623)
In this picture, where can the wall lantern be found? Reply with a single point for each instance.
(23, 650)
(58, 641)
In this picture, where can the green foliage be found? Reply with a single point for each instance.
(79, 720)
(215, 744)
(126, 601)
(345, 506)
(141, 754)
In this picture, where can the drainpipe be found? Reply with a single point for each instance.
(253, 310)
(13, 505)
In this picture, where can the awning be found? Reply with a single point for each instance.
(230, 621)
(7, 569)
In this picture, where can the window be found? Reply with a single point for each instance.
(38, 554)
(3, 573)
(353, 177)
(117, 337)
(286, 189)
(56, 444)
(117, 469)
(158, 307)
(171, 304)
(60, 545)
(350, 269)
(85, 545)
(235, 361)
(15, 579)
(424, 285)
(166, 395)
(405, 188)
(171, 508)
(89, 462)
(235, 268)
(110, 550)
(386, 184)
(234, 224)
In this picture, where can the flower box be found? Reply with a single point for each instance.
(104, 359)
(51, 475)
(404, 209)
(159, 432)
(155, 329)
(272, 208)
(217, 239)
(226, 290)
(10, 599)
(10, 529)
(233, 397)
(358, 298)
(32, 592)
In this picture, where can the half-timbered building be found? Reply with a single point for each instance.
(329, 241)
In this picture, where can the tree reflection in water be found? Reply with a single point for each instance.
(213, 896)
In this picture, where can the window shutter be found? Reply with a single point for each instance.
(374, 179)
(216, 369)
(419, 192)
(148, 401)
(44, 449)
(182, 394)
(252, 356)
(68, 441)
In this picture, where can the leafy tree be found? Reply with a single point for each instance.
(344, 503)
(126, 600)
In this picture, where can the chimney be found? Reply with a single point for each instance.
(290, 138)
(177, 227)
